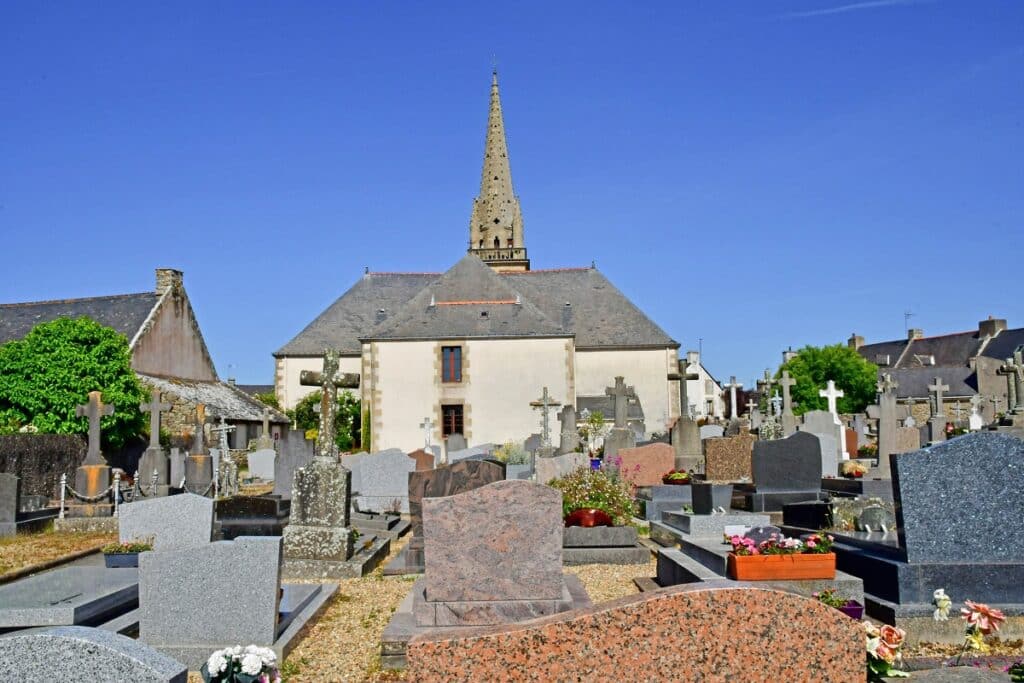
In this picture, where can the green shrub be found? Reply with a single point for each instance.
(587, 488)
(512, 453)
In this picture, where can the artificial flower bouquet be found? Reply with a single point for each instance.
(250, 664)
(884, 645)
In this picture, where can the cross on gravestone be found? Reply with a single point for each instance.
(830, 393)
(776, 403)
(200, 426)
(620, 392)
(428, 432)
(1013, 368)
(544, 403)
(787, 401)
(684, 377)
(94, 410)
(976, 402)
(223, 429)
(751, 407)
(154, 408)
(996, 401)
(266, 422)
(958, 410)
(937, 389)
(330, 379)
(732, 386)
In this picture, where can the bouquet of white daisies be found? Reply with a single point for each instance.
(250, 664)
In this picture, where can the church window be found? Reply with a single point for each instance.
(510, 241)
(451, 363)
(451, 420)
(497, 243)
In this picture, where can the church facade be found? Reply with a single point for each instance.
(468, 350)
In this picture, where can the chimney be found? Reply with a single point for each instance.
(915, 333)
(693, 358)
(788, 355)
(855, 341)
(231, 381)
(167, 278)
(991, 327)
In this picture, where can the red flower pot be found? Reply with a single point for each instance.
(588, 517)
(676, 482)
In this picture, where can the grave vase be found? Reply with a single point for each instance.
(588, 517)
(781, 567)
(710, 497)
(852, 609)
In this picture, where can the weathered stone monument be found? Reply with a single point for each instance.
(620, 436)
(568, 438)
(198, 463)
(685, 433)
(154, 459)
(732, 386)
(887, 422)
(92, 478)
(545, 403)
(788, 418)
(937, 421)
(830, 393)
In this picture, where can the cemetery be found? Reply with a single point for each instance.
(500, 472)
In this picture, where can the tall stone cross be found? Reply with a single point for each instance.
(266, 423)
(684, 377)
(830, 394)
(223, 429)
(197, 442)
(154, 408)
(330, 379)
(621, 393)
(768, 382)
(732, 386)
(1015, 380)
(94, 410)
(787, 401)
(937, 389)
(1008, 370)
(886, 422)
(544, 403)
(428, 432)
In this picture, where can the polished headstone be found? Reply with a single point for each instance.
(646, 465)
(424, 460)
(728, 458)
(448, 480)
(67, 596)
(296, 451)
(790, 464)
(174, 522)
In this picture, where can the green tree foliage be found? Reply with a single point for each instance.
(53, 369)
(347, 426)
(268, 399)
(814, 366)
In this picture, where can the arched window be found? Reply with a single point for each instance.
(497, 243)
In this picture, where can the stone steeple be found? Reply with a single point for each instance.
(496, 226)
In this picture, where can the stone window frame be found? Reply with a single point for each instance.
(455, 377)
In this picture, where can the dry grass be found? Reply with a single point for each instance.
(24, 550)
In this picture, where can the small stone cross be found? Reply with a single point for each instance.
(887, 384)
(732, 386)
(428, 432)
(329, 380)
(787, 402)
(544, 403)
(621, 392)
(976, 402)
(996, 401)
(197, 443)
(266, 423)
(958, 410)
(937, 390)
(830, 393)
(751, 407)
(223, 429)
(154, 408)
(94, 410)
(776, 403)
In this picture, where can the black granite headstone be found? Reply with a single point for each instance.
(790, 464)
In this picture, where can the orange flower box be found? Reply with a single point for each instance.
(781, 567)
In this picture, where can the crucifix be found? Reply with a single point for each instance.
(223, 429)
(684, 377)
(330, 379)
(544, 403)
(621, 393)
(958, 410)
(776, 403)
(154, 408)
(937, 389)
(751, 407)
(830, 393)
(732, 386)
(787, 401)
(94, 410)
(996, 402)
(428, 432)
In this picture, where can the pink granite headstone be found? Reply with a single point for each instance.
(851, 442)
(424, 460)
(646, 465)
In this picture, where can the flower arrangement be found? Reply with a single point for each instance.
(136, 545)
(852, 468)
(831, 598)
(981, 620)
(676, 477)
(813, 544)
(868, 450)
(596, 489)
(250, 664)
(883, 649)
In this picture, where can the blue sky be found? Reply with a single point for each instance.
(752, 174)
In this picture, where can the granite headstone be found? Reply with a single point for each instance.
(174, 522)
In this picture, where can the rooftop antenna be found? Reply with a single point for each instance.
(907, 315)
(700, 348)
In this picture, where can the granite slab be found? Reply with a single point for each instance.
(68, 596)
(174, 522)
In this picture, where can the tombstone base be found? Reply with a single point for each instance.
(317, 543)
(106, 525)
(89, 510)
(371, 551)
(409, 560)
(603, 545)
(90, 481)
(859, 488)
(664, 498)
(154, 459)
(386, 524)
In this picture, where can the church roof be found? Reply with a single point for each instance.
(126, 313)
(1004, 344)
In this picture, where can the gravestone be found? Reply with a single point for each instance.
(235, 602)
(876, 518)
(154, 459)
(888, 423)
(646, 465)
(937, 421)
(174, 522)
(851, 441)
(10, 495)
(557, 466)
(177, 467)
(788, 418)
(685, 438)
(533, 443)
(569, 437)
(423, 460)
(454, 442)
(620, 436)
(317, 536)
(265, 442)
(829, 461)
(296, 451)
(728, 458)
(822, 422)
(66, 596)
(261, 464)
(264, 515)
(476, 452)
(79, 653)
(92, 478)
(381, 480)
(711, 432)
(785, 471)
(907, 439)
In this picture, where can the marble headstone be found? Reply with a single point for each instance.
(448, 480)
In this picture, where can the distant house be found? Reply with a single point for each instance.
(168, 352)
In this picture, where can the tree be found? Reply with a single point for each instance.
(268, 399)
(53, 369)
(347, 426)
(814, 366)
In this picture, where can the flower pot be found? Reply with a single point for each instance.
(852, 609)
(781, 567)
(676, 482)
(121, 560)
(595, 463)
(588, 517)
(708, 497)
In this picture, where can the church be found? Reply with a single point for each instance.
(468, 350)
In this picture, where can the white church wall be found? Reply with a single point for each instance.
(645, 370)
(286, 381)
(405, 389)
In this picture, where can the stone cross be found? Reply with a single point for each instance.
(937, 389)
(266, 422)
(154, 408)
(787, 401)
(887, 387)
(732, 386)
(329, 380)
(1013, 368)
(1007, 369)
(958, 410)
(768, 382)
(684, 378)
(776, 403)
(428, 432)
(544, 403)
(976, 402)
(223, 429)
(996, 402)
(751, 407)
(197, 443)
(830, 393)
(620, 392)
(568, 436)
(94, 410)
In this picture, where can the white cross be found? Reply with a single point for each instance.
(732, 386)
(831, 394)
(428, 432)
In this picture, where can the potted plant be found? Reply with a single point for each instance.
(847, 606)
(781, 559)
(250, 664)
(709, 496)
(853, 469)
(119, 555)
(595, 498)
(676, 478)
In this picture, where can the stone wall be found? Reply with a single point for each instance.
(40, 459)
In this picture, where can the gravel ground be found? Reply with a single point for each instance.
(23, 550)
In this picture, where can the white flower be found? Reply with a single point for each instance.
(217, 663)
(234, 651)
(942, 604)
(252, 664)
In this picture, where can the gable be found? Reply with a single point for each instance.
(170, 343)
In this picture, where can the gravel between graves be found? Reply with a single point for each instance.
(25, 550)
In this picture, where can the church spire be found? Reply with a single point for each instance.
(496, 225)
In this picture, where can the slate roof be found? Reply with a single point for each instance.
(253, 389)
(219, 398)
(873, 353)
(1004, 344)
(948, 349)
(599, 315)
(913, 382)
(606, 406)
(126, 313)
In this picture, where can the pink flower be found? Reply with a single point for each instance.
(892, 636)
(984, 618)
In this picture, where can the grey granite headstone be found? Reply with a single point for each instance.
(261, 464)
(822, 422)
(455, 442)
(711, 432)
(177, 467)
(617, 440)
(381, 480)
(790, 464)
(10, 487)
(295, 451)
(829, 461)
(961, 500)
(559, 466)
(235, 602)
(67, 596)
(532, 443)
(175, 522)
(79, 653)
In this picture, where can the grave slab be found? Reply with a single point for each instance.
(68, 596)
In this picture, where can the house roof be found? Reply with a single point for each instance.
(948, 350)
(220, 398)
(883, 354)
(126, 313)
(1004, 344)
(253, 389)
(914, 382)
